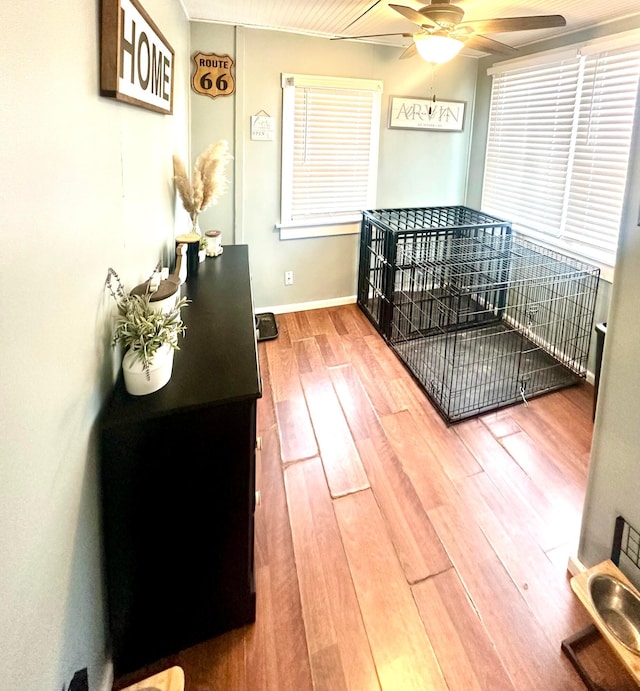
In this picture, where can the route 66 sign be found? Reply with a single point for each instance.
(212, 76)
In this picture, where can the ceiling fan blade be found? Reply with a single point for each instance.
(357, 19)
(409, 52)
(488, 45)
(495, 26)
(346, 38)
(414, 16)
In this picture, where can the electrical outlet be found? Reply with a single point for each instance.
(288, 278)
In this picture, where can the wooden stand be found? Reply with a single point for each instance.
(171, 679)
(579, 585)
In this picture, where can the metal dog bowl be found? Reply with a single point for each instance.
(619, 609)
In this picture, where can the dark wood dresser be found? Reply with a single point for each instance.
(178, 480)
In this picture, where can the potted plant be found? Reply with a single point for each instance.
(148, 336)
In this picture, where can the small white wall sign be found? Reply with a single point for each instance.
(262, 127)
(426, 114)
(136, 60)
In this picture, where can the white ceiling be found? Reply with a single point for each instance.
(357, 17)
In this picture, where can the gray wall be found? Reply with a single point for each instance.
(86, 185)
(614, 478)
(415, 167)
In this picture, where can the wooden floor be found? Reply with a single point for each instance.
(394, 552)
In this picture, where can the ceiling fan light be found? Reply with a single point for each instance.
(437, 48)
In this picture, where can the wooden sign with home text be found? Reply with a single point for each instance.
(136, 60)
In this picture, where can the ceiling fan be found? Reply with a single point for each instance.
(443, 34)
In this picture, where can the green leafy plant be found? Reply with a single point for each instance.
(142, 328)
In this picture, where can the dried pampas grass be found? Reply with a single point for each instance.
(208, 181)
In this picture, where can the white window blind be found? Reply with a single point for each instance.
(558, 149)
(329, 150)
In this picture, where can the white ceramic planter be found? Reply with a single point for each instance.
(165, 305)
(135, 378)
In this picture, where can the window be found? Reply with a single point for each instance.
(558, 146)
(330, 131)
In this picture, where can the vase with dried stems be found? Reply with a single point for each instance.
(207, 183)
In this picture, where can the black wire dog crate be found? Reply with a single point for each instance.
(482, 319)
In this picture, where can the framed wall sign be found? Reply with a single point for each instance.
(213, 75)
(425, 114)
(136, 60)
(262, 127)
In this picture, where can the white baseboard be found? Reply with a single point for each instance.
(335, 302)
(304, 306)
(575, 566)
(106, 683)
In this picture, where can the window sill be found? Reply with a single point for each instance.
(557, 244)
(317, 229)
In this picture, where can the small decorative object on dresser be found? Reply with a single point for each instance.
(207, 183)
(180, 271)
(192, 243)
(163, 294)
(213, 243)
(148, 335)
